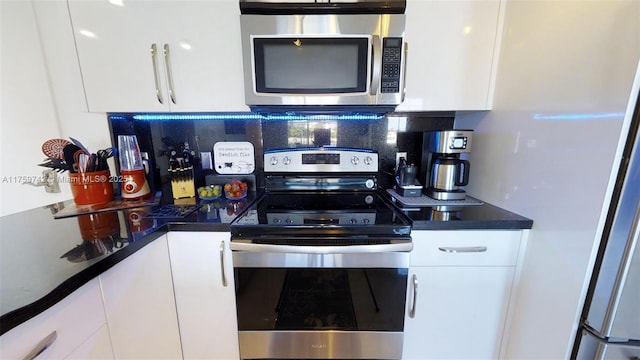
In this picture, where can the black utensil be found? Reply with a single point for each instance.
(56, 164)
(93, 163)
(69, 152)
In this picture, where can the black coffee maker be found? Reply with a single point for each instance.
(443, 171)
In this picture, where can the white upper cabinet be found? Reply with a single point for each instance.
(182, 56)
(451, 54)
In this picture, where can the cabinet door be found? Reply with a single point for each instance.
(451, 48)
(205, 297)
(74, 319)
(97, 346)
(460, 312)
(113, 41)
(140, 305)
(158, 56)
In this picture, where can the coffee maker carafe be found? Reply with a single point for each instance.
(444, 172)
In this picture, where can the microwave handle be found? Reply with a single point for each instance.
(376, 67)
(404, 71)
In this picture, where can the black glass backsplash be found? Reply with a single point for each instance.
(386, 134)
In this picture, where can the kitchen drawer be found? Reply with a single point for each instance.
(465, 248)
(74, 319)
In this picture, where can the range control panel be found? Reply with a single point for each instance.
(321, 160)
(319, 218)
(391, 60)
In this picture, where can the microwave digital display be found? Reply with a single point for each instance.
(311, 65)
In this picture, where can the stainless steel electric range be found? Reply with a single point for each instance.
(321, 260)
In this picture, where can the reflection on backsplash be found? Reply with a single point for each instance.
(386, 134)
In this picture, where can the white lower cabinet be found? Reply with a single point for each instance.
(464, 285)
(98, 346)
(75, 320)
(205, 294)
(140, 307)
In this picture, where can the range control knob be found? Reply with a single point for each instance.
(277, 221)
(353, 221)
(365, 220)
(368, 160)
(355, 160)
(286, 160)
(289, 221)
(369, 184)
(273, 161)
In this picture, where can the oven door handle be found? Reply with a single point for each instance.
(295, 249)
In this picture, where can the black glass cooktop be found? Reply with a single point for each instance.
(357, 213)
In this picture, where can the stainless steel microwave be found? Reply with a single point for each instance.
(324, 60)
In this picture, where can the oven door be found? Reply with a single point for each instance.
(320, 302)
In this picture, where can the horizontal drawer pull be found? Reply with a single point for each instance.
(463, 249)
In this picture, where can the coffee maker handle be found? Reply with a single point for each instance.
(462, 167)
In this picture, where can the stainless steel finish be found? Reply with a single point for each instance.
(319, 26)
(377, 64)
(154, 61)
(446, 195)
(450, 141)
(444, 177)
(404, 72)
(331, 260)
(463, 249)
(594, 348)
(615, 311)
(338, 218)
(350, 161)
(412, 309)
(320, 345)
(247, 245)
(224, 275)
(41, 346)
(167, 65)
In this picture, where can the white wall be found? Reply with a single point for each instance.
(27, 111)
(546, 150)
(42, 98)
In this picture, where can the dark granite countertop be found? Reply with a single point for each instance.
(463, 217)
(43, 259)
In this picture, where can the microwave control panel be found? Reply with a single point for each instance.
(391, 60)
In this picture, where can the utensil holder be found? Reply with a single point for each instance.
(91, 188)
(98, 225)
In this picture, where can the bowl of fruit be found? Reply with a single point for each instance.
(210, 192)
(236, 190)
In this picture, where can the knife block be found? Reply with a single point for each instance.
(182, 184)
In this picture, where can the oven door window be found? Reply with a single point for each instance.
(363, 299)
(311, 65)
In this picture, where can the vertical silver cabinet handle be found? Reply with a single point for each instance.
(154, 61)
(224, 276)
(167, 65)
(376, 66)
(42, 346)
(412, 310)
(463, 249)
